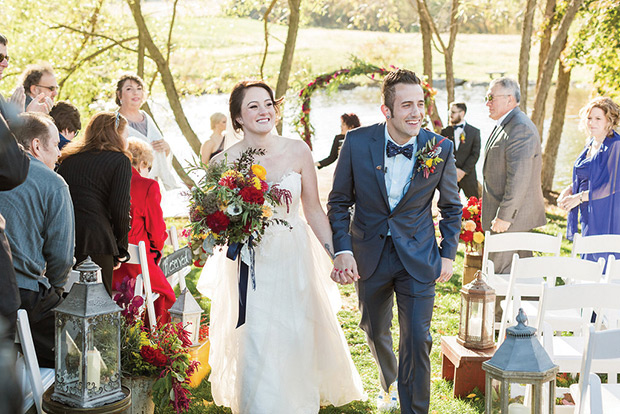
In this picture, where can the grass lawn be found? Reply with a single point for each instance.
(445, 322)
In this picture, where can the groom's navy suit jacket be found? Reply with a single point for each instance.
(359, 180)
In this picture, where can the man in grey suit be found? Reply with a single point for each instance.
(512, 197)
(390, 247)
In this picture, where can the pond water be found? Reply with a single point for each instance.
(364, 101)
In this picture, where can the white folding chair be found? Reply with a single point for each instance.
(505, 242)
(567, 350)
(589, 394)
(143, 288)
(34, 380)
(604, 243)
(528, 275)
(178, 277)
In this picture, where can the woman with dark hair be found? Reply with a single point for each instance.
(593, 198)
(148, 225)
(290, 355)
(347, 123)
(97, 169)
(130, 96)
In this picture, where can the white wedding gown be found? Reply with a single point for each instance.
(291, 355)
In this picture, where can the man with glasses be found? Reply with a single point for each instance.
(40, 83)
(512, 197)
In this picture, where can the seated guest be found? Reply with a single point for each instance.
(40, 229)
(67, 119)
(347, 123)
(147, 224)
(97, 169)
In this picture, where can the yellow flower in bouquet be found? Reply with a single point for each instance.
(478, 237)
(259, 171)
(429, 162)
(267, 212)
(256, 183)
(232, 173)
(469, 225)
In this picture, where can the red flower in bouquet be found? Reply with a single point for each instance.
(229, 181)
(153, 356)
(217, 222)
(252, 195)
(471, 226)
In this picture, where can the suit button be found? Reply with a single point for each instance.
(381, 236)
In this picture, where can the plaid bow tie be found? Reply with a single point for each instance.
(392, 150)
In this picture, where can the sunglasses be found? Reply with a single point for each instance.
(50, 88)
(3, 56)
(489, 98)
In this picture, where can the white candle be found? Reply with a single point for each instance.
(475, 327)
(516, 408)
(93, 368)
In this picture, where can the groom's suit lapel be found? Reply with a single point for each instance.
(423, 138)
(377, 148)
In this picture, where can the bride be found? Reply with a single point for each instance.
(291, 355)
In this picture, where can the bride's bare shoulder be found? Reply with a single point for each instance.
(295, 146)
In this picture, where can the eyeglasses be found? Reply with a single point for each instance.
(489, 97)
(52, 88)
(3, 56)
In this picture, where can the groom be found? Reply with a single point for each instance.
(390, 246)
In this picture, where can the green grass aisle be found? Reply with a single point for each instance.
(445, 323)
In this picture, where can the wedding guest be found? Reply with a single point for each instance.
(466, 138)
(40, 231)
(67, 119)
(218, 141)
(97, 169)
(147, 224)
(512, 199)
(347, 123)
(593, 197)
(39, 82)
(130, 96)
(290, 355)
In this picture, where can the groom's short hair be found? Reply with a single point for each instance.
(389, 84)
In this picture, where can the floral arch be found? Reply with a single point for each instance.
(332, 80)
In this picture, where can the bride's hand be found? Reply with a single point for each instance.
(345, 269)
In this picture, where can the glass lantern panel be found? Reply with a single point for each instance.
(516, 398)
(190, 324)
(69, 344)
(475, 319)
(102, 356)
(489, 318)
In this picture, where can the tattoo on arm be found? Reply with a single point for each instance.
(330, 251)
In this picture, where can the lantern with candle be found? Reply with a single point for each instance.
(187, 312)
(477, 315)
(518, 373)
(87, 344)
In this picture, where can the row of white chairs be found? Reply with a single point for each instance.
(35, 380)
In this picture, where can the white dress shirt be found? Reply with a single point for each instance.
(457, 136)
(398, 171)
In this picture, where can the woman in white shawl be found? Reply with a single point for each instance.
(130, 96)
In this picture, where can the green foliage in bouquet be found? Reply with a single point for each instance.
(231, 203)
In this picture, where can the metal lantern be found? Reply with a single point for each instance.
(88, 344)
(187, 311)
(477, 315)
(518, 373)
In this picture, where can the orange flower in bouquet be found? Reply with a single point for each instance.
(471, 226)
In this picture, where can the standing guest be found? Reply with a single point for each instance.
(147, 224)
(389, 247)
(40, 230)
(67, 119)
(512, 197)
(594, 195)
(218, 141)
(466, 140)
(130, 96)
(98, 171)
(39, 82)
(347, 123)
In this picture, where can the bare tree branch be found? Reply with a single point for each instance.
(169, 46)
(265, 18)
(93, 34)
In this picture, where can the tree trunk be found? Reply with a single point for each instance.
(554, 53)
(449, 51)
(166, 77)
(427, 47)
(545, 41)
(524, 54)
(557, 124)
(289, 50)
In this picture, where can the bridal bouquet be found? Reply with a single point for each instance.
(471, 226)
(233, 204)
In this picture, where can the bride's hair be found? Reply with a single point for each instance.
(237, 95)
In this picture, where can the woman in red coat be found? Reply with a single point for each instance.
(147, 224)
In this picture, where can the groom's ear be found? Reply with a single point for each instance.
(386, 111)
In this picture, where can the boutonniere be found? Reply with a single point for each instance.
(462, 137)
(428, 157)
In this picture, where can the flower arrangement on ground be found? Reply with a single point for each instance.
(163, 354)
(471, 226)
(232, 204)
